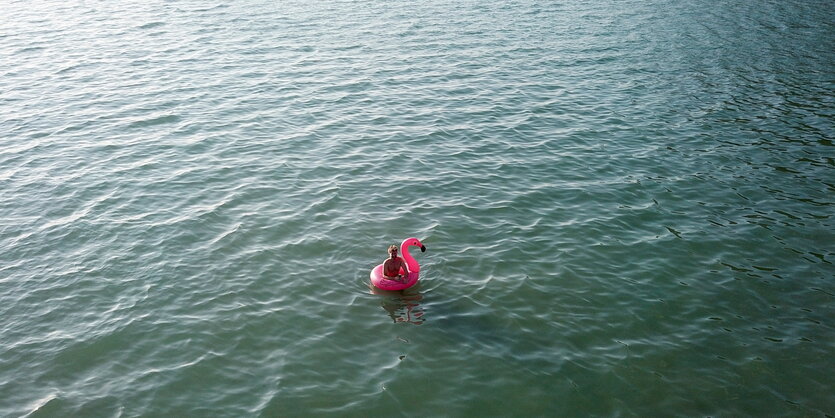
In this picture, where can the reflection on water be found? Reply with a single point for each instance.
(402, 306)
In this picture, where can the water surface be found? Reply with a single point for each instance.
(627, 207)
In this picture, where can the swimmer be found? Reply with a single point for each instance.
(392, 266)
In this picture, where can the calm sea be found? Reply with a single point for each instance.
(628, 208)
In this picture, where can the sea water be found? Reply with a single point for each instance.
(627, 207)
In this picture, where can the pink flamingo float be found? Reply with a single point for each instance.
(379, 281)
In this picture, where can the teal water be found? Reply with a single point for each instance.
(627, 206)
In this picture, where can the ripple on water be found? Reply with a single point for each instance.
(625, 209)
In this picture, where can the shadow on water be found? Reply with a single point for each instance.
(465, 324)
(457, 317)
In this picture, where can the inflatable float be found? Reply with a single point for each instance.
(379, 281)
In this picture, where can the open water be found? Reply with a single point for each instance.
(629, 207)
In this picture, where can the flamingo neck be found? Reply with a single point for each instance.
(414, 267)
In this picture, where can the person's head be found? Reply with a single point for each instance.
(393, 250)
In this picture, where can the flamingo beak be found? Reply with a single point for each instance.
(423, 248)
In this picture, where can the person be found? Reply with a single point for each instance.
(392, 266)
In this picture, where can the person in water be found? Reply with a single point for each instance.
(392, 266)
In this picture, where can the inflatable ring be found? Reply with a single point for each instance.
(379, 281)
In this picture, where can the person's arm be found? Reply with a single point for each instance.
(405, 268)
(385, 276)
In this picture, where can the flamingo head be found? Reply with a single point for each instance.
(408, 242)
